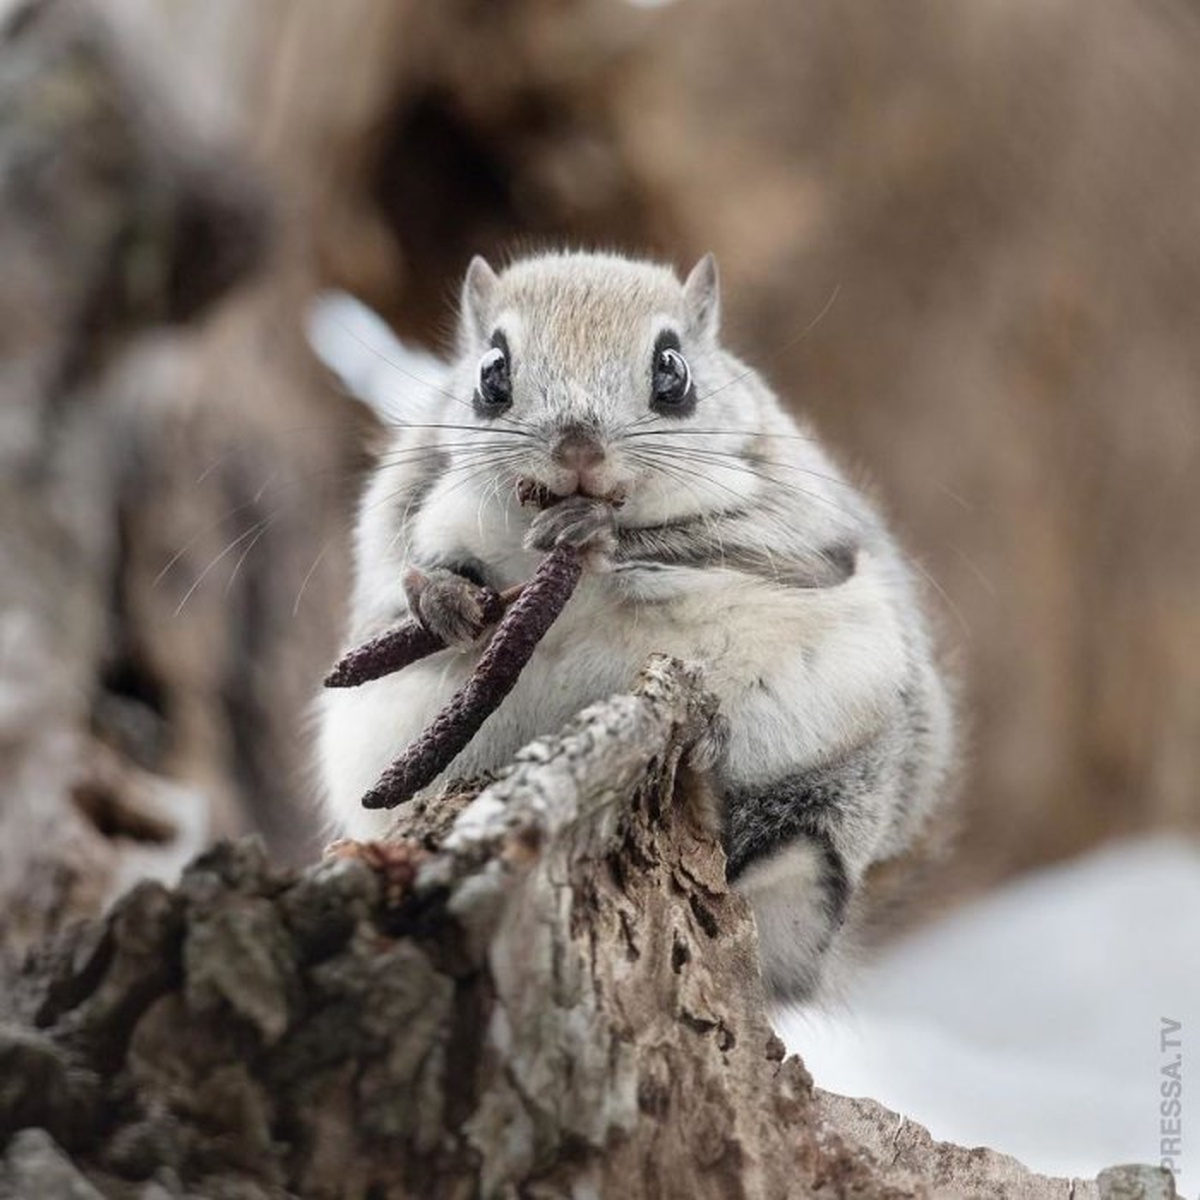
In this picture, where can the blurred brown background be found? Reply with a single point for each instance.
(999, 196)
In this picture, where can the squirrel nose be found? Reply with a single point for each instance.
(577, 450)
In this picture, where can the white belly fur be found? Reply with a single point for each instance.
(798, 673)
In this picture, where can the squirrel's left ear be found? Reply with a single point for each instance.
(478, 288)
(702, 298)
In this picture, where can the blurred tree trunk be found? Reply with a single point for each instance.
(110, 226)
(176, 476)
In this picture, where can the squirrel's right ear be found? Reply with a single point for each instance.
(702, 297)
(478, 289)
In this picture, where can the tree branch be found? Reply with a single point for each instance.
(558, 998)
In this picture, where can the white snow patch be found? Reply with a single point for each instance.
(1030, 1021)
(400, 382)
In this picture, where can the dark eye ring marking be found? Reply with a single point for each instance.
(493, 384)
(672, 392)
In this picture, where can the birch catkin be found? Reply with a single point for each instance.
(398, 648)
(496, 673)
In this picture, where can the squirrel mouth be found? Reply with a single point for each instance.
(533, 491)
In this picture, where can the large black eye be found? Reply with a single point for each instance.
(493, 388)
(671, 390)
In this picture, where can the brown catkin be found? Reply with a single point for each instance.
(511, 647)
(389, 652)
(396, 649)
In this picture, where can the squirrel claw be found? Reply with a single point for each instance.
(582, 522)
(449, 606)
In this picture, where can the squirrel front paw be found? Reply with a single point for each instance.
(449, 606)
(579, 521)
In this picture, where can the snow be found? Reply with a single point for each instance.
(398, 381)
(1030, 1021)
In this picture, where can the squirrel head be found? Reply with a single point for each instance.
(601, 375)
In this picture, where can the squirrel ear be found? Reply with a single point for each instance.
(478, 288)
(702, 297)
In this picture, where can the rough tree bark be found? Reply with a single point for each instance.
(555, 995)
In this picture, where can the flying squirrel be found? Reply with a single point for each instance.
(716, 528)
